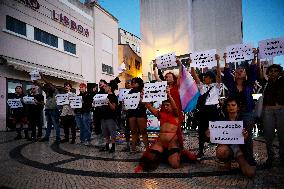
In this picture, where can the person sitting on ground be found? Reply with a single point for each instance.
(167, 145)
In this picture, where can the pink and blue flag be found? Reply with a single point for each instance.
(188, 91)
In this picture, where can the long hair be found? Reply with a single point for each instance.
(174, 77)
(140, 83)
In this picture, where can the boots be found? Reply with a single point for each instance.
(112, 148)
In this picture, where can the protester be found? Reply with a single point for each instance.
(207, 104)
(273, 112)
(35, 113)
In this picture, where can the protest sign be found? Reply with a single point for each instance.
(122, 93)
(29, 100)
(226, 132)
(166, 60)
(35, 75)
(75, 101)
(204, 59)
(100, 100)
(62, 99)
(271, 47)
(15, 103)
(131, 101)
(155, 92)
(239, 52)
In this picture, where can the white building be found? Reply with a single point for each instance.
(64, 39)
(185, 26)
(125, 37)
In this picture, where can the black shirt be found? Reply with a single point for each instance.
(106, 111)
(274, 93)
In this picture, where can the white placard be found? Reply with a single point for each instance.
(35, 75)
(29, 100)
(75, 101)
(226, 132)
(131, 101)
(271, 47)
(15, 103)
(155, 92)
(166, 60)
(100, 99)
(239, 52)
(204, 59)
(122, 93)
(62, 99)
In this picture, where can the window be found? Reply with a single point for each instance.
(107, 69)
(69, 47)
(16, 26)
(107, 43)
(46, 38)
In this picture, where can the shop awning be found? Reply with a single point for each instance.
(29, 66)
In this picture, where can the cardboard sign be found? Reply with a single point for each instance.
(29, 100)
(122, 93)
(100, 100)
(131, 101)
(271, 47)
(205, 59)
(62, 99)
(226, 132)
(35, 75)
(155, 92)
(166, 60)
(75, 101)
(239, 52)
(15, 103)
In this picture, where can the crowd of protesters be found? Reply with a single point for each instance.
(107, 119)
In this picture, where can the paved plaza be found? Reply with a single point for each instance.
(46, 165)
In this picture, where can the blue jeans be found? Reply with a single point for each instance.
(83, 120)
(52, 118)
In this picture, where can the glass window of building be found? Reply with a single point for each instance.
(16, 26)
(45, 37)
(69, 47)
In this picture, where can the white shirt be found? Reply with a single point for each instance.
(214, 94)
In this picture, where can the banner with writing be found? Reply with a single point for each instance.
(15, 103)
(122, 93)
(239, 52)
(204, 59)
(62, 99)
(100, 100)
(131, 101)
(271, 47)
(29, 100)
(226, 132)
(155, 92)
(35, 75)
(166, 60)
(75, 101)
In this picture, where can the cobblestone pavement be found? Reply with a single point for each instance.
(46, 165)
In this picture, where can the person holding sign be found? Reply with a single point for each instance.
(138, 117)
(207, 103)
(20, 114)
(166, 147)
(242, 86)
(273, 112)
(226, 153)
(108, 117)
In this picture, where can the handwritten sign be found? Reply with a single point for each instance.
(35, 75)
(226, 132)
(155, 92)
(131, 101)
(122, 93)
(100, 99)
(15, 103)
(166, 60)
(75, 101)
(271, 47)
(62, 99)
(239, 52)
(204, 59)
(29, 100)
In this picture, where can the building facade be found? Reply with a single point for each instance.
(125, 37)
(185, 26)
(63, 39)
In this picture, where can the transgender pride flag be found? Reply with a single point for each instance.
(188, 91)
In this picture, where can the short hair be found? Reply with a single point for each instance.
(67, 83)
(139, 81)
(277, 66)
(232, 98)
(103, 81)
(82, 85)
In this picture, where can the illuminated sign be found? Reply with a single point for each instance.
(69, 23)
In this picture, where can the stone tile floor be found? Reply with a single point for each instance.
(44, 165)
